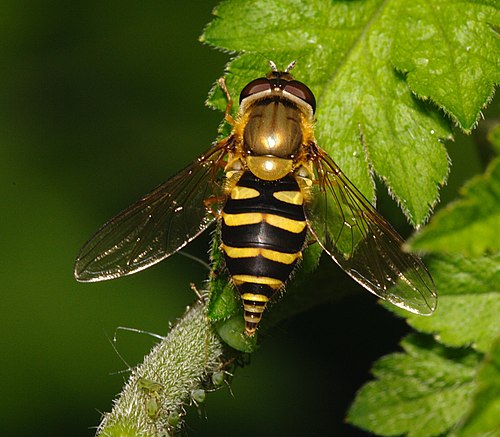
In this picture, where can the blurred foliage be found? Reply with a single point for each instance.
(100, 102)
(468, 225)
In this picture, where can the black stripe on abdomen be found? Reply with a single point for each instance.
(263, 235)
(266, 202)
(259, 266)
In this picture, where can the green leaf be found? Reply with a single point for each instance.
(232, 331)
(367, 119)
(451, 54)
(422, 392)
(469, 225)
(468, 301)
(484, 415)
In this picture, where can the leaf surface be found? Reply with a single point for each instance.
(484, 415)
(468, 301)
(419, 393)
(368, 120)
(450, 52)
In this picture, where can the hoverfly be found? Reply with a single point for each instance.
(271, 187)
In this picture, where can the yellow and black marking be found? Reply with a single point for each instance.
(263, 234)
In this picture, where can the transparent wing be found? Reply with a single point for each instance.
(157, 225)
(364, 244)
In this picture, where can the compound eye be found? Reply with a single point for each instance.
(298, 89)
(254, 87)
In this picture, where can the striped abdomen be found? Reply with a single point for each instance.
(263, 234)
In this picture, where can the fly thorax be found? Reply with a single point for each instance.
(271, 137)
(273, 129)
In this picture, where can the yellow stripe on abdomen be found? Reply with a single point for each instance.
(246, 218)
(264, 280)
(293, 197)
(287, 224)
(255, 297)
(252, 218)
(281, 257)
(240, 193)
(250, 252)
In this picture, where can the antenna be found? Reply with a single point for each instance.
(287, 69)
(290, 66)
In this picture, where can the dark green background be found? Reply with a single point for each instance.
(100, 101)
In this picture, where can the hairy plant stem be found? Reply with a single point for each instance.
(174, 374)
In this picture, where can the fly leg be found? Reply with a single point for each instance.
(228, 117)
(213, 205)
